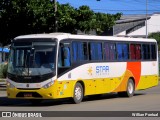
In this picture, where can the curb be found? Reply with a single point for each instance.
(2, 84)
(2, 88)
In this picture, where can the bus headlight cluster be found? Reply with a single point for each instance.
(48, 84)
(10, 85)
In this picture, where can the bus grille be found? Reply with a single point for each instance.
(29, 79)
(29, 94)
(28, 88)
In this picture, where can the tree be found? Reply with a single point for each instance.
(105, 21)
(66, 15)
(85, 19)
(20, 17)
(43, 15)
(155, 35)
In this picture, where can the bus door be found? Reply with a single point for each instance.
(64, 57)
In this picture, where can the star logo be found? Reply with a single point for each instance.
(90, 70)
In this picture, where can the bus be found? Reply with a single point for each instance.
(62, 65)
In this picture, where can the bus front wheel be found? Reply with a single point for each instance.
(77, 93)
(129, 90)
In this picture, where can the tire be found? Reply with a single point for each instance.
(78, 93)
(129, 90)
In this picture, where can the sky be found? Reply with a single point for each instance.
(126, 7)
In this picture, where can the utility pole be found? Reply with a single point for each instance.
(55, 12)
(146, 18)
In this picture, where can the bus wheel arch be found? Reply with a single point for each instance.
(130, 88)
(78, 92)
(83, 85)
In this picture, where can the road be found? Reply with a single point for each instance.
(146, 100)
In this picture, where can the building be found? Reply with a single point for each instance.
(135, 25)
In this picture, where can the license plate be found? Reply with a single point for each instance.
(27, 94)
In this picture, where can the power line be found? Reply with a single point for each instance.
(150, 4)
(123, 10)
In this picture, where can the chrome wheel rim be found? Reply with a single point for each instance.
(130, 88)
(78, 93)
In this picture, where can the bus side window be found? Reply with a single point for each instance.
(95, 51)
(112, 48)
(122, 51)
(138, 51)
(135, 51)
(92, 51)
(132, 51)
(85, 50)
(153, 51)
(125, 51)
(64, 56)
(79, 51)
(74, 51)
(106, 51)
(119, 51)
(109, 51)
(146, 51)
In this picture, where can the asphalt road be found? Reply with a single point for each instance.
(146, 100)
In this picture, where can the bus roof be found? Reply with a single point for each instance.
(61, 36)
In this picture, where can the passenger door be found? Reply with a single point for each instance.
(64, 57)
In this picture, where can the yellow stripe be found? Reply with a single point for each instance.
(64, 89)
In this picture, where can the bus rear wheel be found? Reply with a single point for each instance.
(78, 93)
(129, 90)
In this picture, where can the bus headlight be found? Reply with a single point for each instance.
(48, 84)
(10, 85)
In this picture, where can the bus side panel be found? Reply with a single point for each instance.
(98, 78)
(113, 78)
(133, 70)
(122, 87)
(64, 89)
(149, 75)
(145, 75)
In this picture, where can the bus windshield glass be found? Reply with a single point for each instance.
(32, 59)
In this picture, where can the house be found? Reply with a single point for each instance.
(135, 25)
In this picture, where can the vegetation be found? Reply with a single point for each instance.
(19, 17)
(3, 70)
(156, 36)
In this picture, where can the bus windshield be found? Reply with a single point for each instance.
(32, 59)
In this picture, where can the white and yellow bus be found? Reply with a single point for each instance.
(61, 65)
